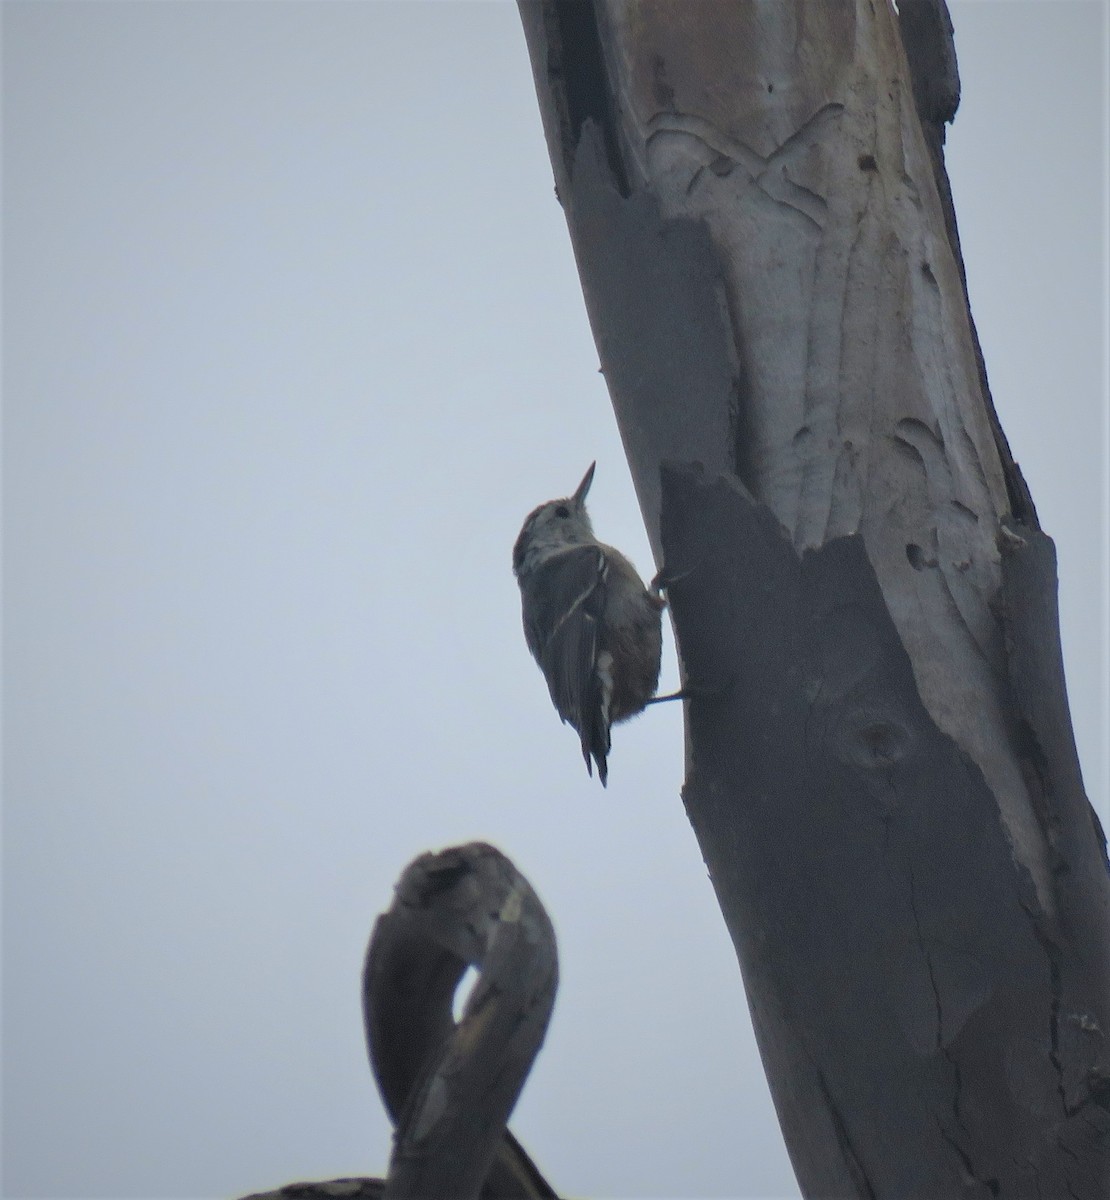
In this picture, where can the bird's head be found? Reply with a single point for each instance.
(553, 527)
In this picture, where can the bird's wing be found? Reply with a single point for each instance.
(565, 603)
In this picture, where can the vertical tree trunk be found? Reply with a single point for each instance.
(881, 772)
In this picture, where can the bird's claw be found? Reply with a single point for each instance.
(665, 577)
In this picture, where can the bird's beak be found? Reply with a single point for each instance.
(580, 491)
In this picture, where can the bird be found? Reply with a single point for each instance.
(592, 625)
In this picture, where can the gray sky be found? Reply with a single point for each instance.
(293, 340)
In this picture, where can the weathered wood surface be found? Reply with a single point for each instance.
(886, 792)
(927, 1029)
(449, 1087)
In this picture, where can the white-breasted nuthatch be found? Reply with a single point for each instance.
(591, 624)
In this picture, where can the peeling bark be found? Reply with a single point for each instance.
(906, 988)
(881, 772)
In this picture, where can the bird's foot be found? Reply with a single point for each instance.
(665, 577)
(695, 691)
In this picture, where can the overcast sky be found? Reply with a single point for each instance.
(293, 340)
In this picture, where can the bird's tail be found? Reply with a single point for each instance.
(595, 748)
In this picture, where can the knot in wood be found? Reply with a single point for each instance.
(874, 742)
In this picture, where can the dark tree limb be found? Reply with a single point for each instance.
(881, 772)
(449, 1088)
(347, 1188)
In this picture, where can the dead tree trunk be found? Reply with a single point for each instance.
(881, 772)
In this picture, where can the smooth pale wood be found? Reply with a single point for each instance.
(886, 790)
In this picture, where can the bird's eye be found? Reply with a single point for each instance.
(562, 511)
